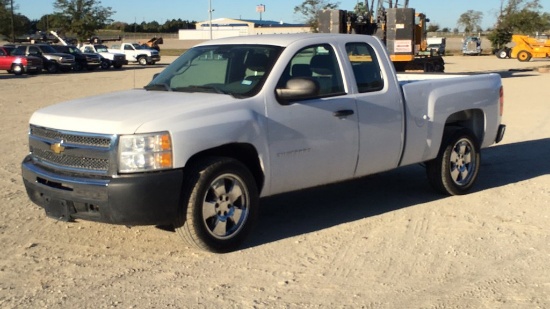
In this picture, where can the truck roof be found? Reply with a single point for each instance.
(287, 39)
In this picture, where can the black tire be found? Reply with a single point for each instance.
(117, 66)
(52, 67)
(142, 60)
(220, 204)
(456, 167)
(105, 64)
(502, 54)
(77, 67)
(17, 69)
(524, 56)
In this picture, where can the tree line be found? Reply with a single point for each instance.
(79, 18)
(83, 18)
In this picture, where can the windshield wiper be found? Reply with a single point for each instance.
(158, 87)
(195, 88)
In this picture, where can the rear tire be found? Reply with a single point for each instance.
(220, 204)
(503, 53)
(456, 167)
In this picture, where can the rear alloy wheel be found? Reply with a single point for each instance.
(17, 69)
(456, 167)
(524, 56)
(220, 204)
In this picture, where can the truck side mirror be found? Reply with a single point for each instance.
(298, 88)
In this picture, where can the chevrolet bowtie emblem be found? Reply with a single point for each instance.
(57, 148)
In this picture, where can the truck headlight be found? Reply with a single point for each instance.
(144, 152)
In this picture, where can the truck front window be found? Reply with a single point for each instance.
(238, 70)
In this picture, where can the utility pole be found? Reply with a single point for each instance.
(210, 10)
(12, 23)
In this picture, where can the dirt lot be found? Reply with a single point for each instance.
(385, 241)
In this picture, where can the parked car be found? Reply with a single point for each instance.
(53, 60)
(88, 61)
(14, 61)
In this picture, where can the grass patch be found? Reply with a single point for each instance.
(172, 52)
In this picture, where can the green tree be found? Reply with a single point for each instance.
(83, 17)
(310, 11)
(518, 17)
(470, 20)
(433, 27)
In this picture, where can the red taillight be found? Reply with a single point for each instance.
(501, 100)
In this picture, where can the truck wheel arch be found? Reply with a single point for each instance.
(472, 119)
(243, 152)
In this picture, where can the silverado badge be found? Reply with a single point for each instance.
(57, 148)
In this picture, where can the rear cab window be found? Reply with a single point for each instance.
(366, 67)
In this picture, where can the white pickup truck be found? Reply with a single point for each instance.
(236, 119)
(136, 53)
(116, 60)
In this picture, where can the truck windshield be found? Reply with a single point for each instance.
(101, 48)
(237, 70)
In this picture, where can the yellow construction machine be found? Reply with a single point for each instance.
(527, 47)
(402, 30)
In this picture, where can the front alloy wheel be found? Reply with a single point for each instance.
(142, 60)
(222, 200)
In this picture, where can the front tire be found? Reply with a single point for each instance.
(456, 167)
(17, 69)
(220, 204)
(52, 67)
(105, 64)
(142, 60)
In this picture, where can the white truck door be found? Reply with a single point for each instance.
(379, 110)
(314, 141)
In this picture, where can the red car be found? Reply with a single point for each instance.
(15, 62)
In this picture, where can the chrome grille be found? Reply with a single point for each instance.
(72, 161)
(73, 151)
(71, 138)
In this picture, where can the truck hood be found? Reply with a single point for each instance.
(124, 112)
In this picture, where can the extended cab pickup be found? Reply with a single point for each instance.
(136, 53)
(236, 119)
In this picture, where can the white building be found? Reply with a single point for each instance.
(227, 27)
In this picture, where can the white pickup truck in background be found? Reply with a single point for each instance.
(236, 119)
(136, 53)
(116, 60)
